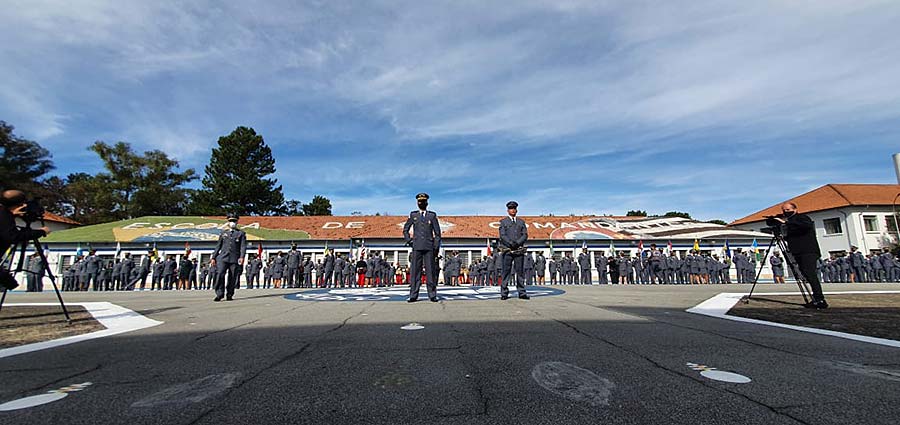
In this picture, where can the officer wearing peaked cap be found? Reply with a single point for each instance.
(513, 235)
(425, 242)
(228, 256)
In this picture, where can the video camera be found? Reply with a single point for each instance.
(774, 226)
(34, 211)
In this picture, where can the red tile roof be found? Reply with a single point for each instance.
(49, 216)
(832, 196)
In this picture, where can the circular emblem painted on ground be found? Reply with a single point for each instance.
(401, 293)
(573, 383)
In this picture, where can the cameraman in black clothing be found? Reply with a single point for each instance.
(800, 234)
(13, 204)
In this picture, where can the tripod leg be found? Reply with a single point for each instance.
(805, 291)
(37, 247)
(3, 299)
(758, 273)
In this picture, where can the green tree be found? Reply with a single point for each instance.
(319, 205)
(721, 222)
(677, 214)
(22, 163)
(235, 179)
(636, 213)
(90, 199)
(292, 208)
(137, 185)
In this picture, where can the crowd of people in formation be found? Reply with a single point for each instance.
(293, 269)
(856, 267)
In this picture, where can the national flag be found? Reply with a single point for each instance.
(46, 249)
(696, 245)
(670, 248)
(584, 244)
(259, 250)
(488, 247)
(118, 249)
(755, 247)
(551, 248)
(612, 249)
(727, 249)
(362, 250)
(155, 253)
(326, 249)
(78, 251)
(187, 249)
(641, 246)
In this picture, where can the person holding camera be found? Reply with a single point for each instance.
(800, 235)
(13, 204)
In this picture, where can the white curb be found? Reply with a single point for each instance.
(718, 305)
(117, 320)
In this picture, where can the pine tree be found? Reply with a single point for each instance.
(236, 180)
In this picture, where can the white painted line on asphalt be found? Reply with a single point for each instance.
(572, 382)
(412, 327)
(116, 319)
(42, 399)
(718, 305)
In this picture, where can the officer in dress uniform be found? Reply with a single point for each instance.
(425, 242)
(600, 263)
(293, 267)
(528, 267)
(228, 257)
(553, 268)
(584, 264)
(540, 268)
(513, 235)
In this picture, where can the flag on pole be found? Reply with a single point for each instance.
(187, 249)
(696, 245)
(551, 248)
(669, 248)
(641, 246)
(488, 247)
(78, 251)
(259, 250)
(362, 250)
(118, 249)
(755, 247)
(727, 249)
(612, 249)
(326, 249)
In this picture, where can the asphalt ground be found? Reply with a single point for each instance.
(597, 354)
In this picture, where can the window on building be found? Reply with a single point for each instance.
(833, 226)
(891, 223)
(870, 222)
(403, 258)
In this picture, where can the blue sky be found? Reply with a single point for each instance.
(717, 108)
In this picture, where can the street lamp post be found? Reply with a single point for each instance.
(894, 210)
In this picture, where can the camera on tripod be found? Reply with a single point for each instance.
(33, 211)
(773, 225)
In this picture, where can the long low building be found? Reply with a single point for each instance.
(845, 215)
(470, 235)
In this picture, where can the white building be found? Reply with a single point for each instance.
(861, 215)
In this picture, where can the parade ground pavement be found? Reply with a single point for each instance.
(571, 354)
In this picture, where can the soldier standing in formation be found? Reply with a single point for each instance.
(777, 265)
(513, 235)
(425, 241)
(292, 276)
(227, 257)
(540, 267)
(584, 266)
